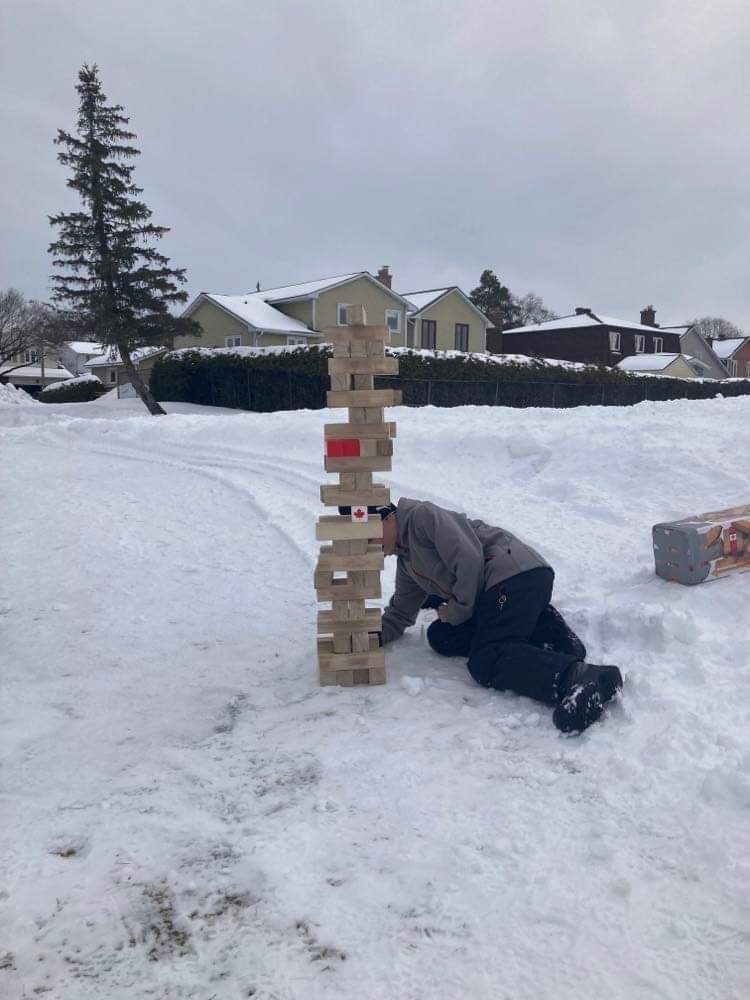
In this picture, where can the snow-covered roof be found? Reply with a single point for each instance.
(112, 356)
(647, 362)
(577, 320)
(726, 348)
(254, 310)
(35, 371)
(85, 347)
(307, 288)
(420, 300)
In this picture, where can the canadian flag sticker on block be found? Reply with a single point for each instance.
(342, 447)
(360, 514)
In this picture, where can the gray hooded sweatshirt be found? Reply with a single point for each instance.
(445, 553)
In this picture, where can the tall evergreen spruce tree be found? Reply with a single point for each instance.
(116, 282)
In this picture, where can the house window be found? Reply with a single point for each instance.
(112, 375)
(747, 369)
(462, 337)
(429, 334)
(292, 341)
(658, 345)
(233, 342)
(30, 356)
(640, 343)
(732, 367)
(393, 320)
(341, 313)
(614, 341)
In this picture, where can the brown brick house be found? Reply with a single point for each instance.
(591, 338)
(735, 354)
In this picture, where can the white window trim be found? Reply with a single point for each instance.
(339, 307)
(30, 356)
(614, 341)
(112, 375)
(732, 367)
(640, 343)
(747, 369)
(658, 345)
(234, 341)
(293, 341)
(397, 314)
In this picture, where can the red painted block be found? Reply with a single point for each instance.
(342, 447)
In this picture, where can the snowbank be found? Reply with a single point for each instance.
(188, 814)
(10, 395)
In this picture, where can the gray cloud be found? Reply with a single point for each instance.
(595, 153)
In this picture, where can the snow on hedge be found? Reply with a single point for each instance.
(70, 382)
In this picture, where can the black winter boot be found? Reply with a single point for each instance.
(584, 689)
(552, 632)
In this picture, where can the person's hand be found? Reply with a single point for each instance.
(443, 613)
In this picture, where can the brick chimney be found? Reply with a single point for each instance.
(648, 317)
(384, 276)
(583, 310)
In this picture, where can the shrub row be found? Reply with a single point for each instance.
(298, 379)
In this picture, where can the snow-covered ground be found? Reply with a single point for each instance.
(186, 813)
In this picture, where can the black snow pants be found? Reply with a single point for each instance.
(504, 639)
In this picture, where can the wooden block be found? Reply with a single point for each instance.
(346, 590)
(336, 496)
(372, 560)
(374, 414)
(342, 383)
(360, 546)
(340, 610)
(376, 349)
(363, 366)
(356, 315)
(345, 678)
(375, 463)
(337, 334)
(358, 349)
(342, 643)
(371, 577)
(323, 578)
(377, 675)
(327, 678)
(359, 382)
(358, 611)
(369, 398)
(363, 430)
(363, 481)
(368, 448)
(374, 641)
(347, 481)
(329, 660)
(330, 528)
(341, 349)
(330, 624)
(383, 447)
(360, 643)
(361, 676)
(356, 415)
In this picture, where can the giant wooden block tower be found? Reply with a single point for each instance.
(348, 570)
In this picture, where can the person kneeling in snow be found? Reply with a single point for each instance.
(492, 593)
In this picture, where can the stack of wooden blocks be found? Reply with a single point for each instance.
(349, 568)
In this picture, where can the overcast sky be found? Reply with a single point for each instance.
(596, 152)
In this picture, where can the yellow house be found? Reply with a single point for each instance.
(294, 314)
(439, 318)
(445, 319)
(34, 369)
(671, 365)
(110, 370)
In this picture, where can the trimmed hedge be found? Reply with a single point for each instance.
(298, 379)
